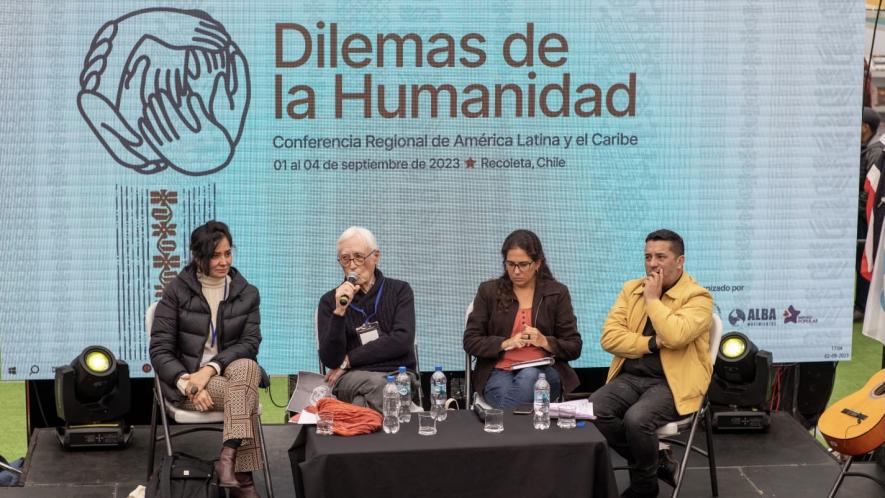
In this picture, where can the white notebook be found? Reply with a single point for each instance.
(540, 362)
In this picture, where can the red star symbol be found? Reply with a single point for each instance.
(470, 162)
(791, 314)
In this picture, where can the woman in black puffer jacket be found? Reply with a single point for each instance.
(204, 343)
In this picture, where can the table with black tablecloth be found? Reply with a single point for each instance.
(460, 460)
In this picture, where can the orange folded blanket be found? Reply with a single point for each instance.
(350, 420)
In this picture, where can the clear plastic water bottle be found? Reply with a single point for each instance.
(438, 394)
(541, 413)
(391, 406)
(404, 386)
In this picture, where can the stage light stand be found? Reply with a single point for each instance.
(739, 387)
(92, 395)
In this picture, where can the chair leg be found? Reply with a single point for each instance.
(841, 476)
(166, 436)
(268, 485)
(468, 394)
(153, 445)
(694, 426)
(843, 473)
(711, 455)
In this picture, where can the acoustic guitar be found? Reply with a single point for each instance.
(855, 424)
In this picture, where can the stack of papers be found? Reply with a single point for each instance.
(307, 382)
(583, 409)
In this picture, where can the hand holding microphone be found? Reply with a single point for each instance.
(346, 291)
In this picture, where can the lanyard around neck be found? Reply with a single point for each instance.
(212, 330)
(361, 311)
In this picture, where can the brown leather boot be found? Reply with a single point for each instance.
(247, 486)
(224, 468)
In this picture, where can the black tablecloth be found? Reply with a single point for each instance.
(460, 460)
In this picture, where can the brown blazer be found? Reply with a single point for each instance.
(552, 314)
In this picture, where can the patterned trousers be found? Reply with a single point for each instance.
(235, 392)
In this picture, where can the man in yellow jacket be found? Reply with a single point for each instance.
(659, 333)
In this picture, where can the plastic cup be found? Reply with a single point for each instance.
(426, 424)
(494, 420)
(566, 418)
(325, 422)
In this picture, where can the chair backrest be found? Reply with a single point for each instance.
(468, 364)
(149, 317)
(316, 338)
(148, 324)
(715, 338)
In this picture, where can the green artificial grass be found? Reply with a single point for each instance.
(13, 441)
(271, 414)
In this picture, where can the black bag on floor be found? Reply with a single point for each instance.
(183, 476)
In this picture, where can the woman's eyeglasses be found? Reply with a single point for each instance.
(522, 265)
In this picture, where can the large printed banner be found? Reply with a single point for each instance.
(441, 126)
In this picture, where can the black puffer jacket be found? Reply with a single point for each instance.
(181, 324)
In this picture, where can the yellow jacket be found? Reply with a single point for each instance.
(682, 319)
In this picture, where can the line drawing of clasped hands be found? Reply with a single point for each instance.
(182, 97)
(191, 132)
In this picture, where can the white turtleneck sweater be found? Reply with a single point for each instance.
(214, 290)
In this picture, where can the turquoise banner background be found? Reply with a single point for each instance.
(117, 140)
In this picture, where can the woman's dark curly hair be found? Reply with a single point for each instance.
(204, 240)
(531, 244)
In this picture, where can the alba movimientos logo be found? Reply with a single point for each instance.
(166, 88)
(736, 316)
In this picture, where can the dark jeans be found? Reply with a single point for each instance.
(629, 410)
(509, 389)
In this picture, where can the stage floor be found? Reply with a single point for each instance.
(785, 462)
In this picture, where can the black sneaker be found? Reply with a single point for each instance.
(668, 467)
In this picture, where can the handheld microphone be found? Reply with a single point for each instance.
(352, 278)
